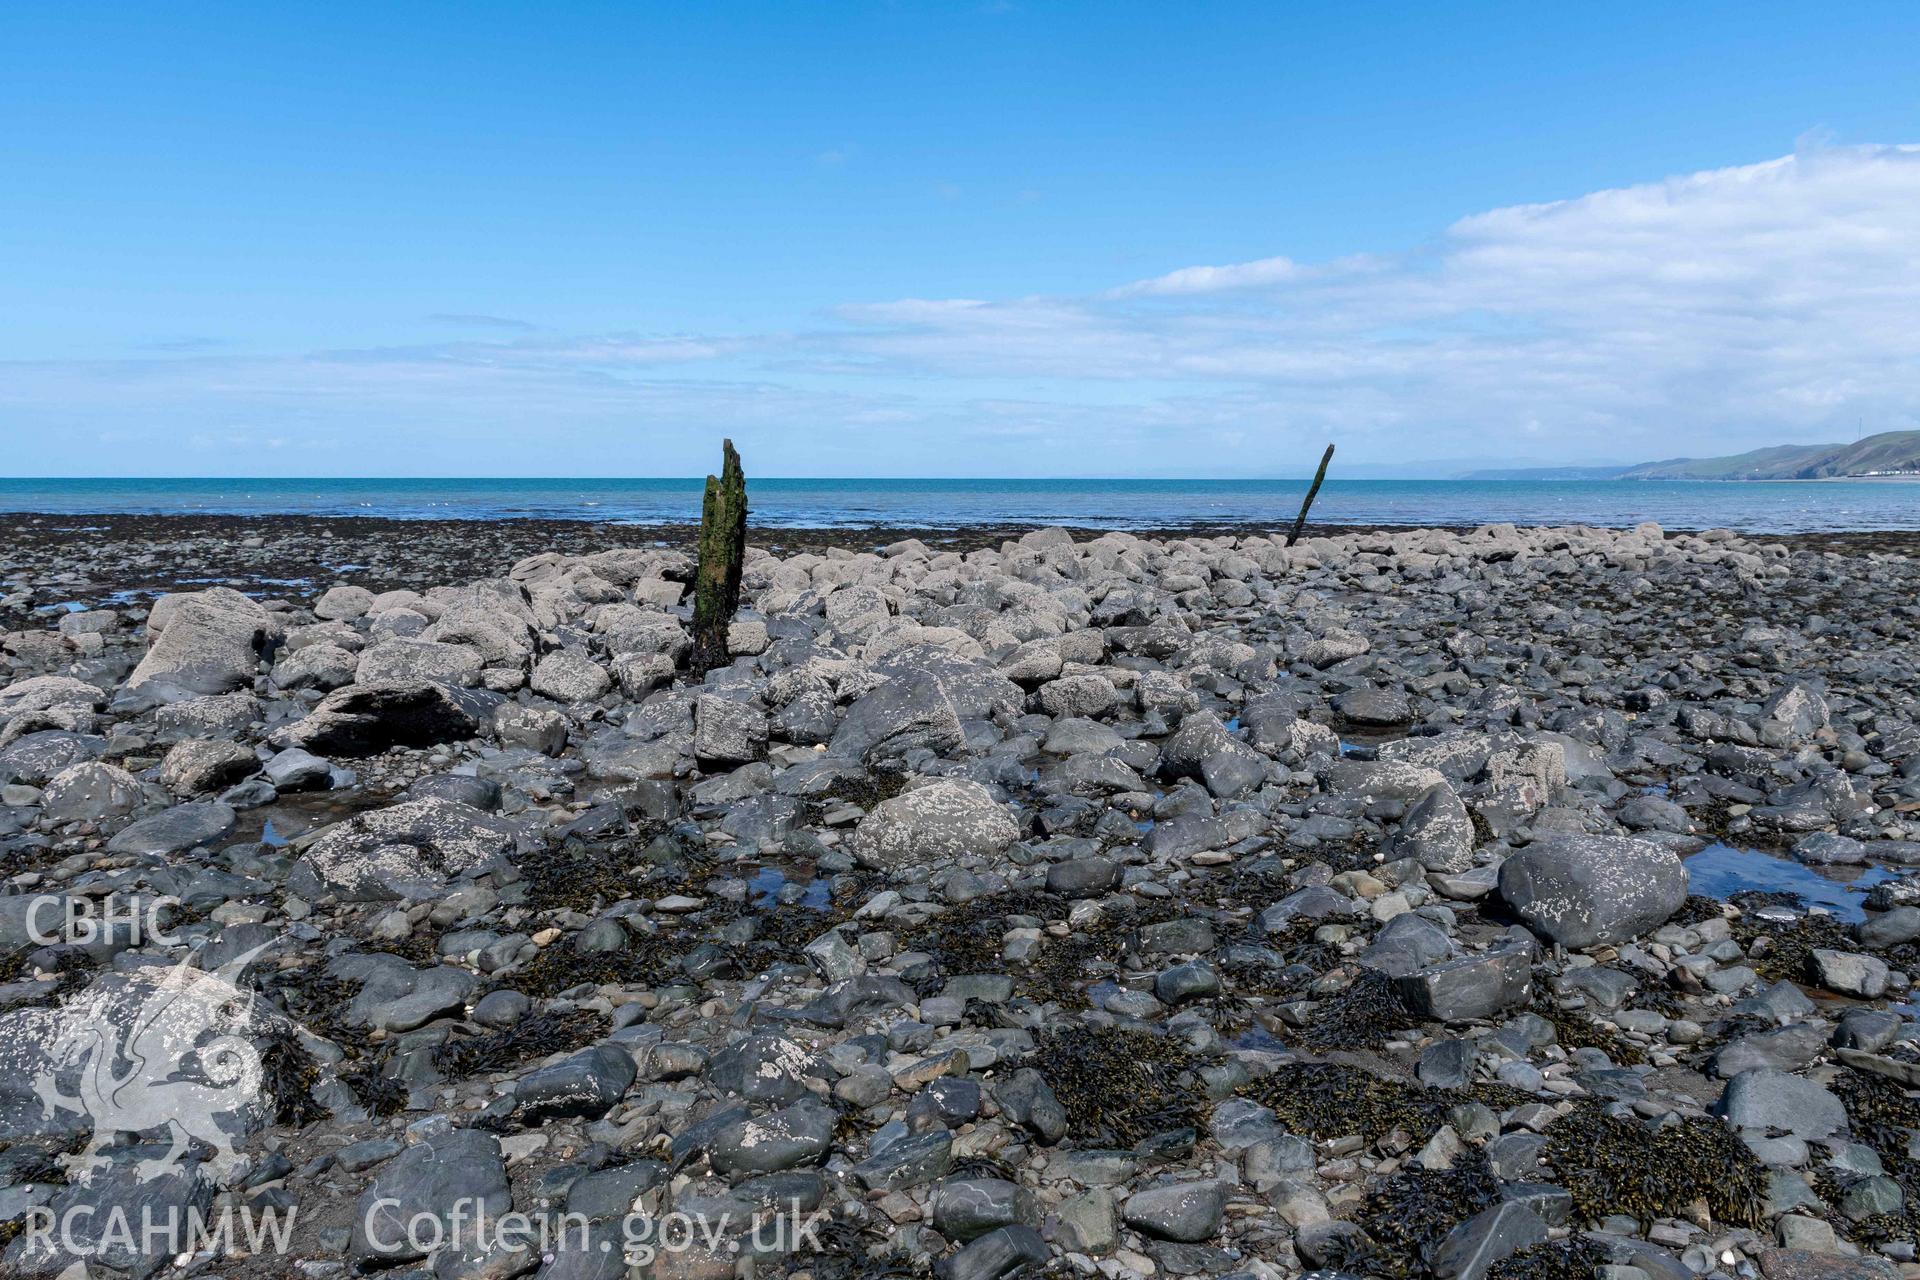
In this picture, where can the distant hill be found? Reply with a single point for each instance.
(1889, 453)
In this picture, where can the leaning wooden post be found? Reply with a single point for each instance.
(1312, 491)
(723, 546)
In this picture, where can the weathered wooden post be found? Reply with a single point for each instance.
(716, 582)
(1312, 491)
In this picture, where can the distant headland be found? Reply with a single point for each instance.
(1889, 455)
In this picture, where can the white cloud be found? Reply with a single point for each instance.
(1709, 312)
(1722, 309)
(1242, 275)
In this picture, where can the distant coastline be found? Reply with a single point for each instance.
(1889, 455)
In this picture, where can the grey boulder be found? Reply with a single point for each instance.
(448, 1177)
(1579, 890)
(1763, 1100)
(407, 850)
(184, 826)
(586, 1083)
(366, 719)
(939, 822)
(204, 642)
(1437, 832)
(1185, 1211)
(908, 712)
(794, 1135)
(1470, 988)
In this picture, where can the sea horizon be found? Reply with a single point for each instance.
(948, 502)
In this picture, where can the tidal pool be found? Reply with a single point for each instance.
(1721, 870)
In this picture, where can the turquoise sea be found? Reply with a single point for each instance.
(1117, 504)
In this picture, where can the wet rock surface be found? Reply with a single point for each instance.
(1045, 902)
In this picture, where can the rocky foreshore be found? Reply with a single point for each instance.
(1087, 905)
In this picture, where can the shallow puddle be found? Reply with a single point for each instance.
(1258, 1037)
(1720, 871)
(295, 814)
(766, 884)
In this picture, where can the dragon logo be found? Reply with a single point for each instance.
(176, 1060)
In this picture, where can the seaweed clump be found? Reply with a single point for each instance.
(1117, 1085)
(288, 1073)
(843, 1251)
(534, 1037)
(1297, 945)
(1366, 1014)
(650, 960)
(781, 931)
(1410, 1213)
(1573, 1259)
(70, 968)
(1329, 1100)
(1059, 971)
(575, 876)
(1697, 909)
(418, 947)
(318, 1001)
(1881, 1115)
(378, 1092)
(966, 940)
(1615, 1166)
(1782, 951)
(866, 791)
(1575, 1031)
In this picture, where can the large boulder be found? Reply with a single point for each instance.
(407, 661)
(185, 826)
(855, 611)
(343, 602)
(1202, 749)
(198, 765)
(1764, 1100)
(905, 713)
(175, 1036)
(1579, 890)
(442, 1188)
(36, 758)
(937, 823)
(365, 719)
(206, 642)
(225, 715)
(1437, 832)
(494, 616)
(92, 790)
(567, 675)
(407, 850)
(1337, 645)
(45, 693)
(728, 731)
(1470, 988)
(316, 666)
(1370, 781)
(974, 687)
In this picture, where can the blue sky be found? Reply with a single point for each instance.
(948, 239)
